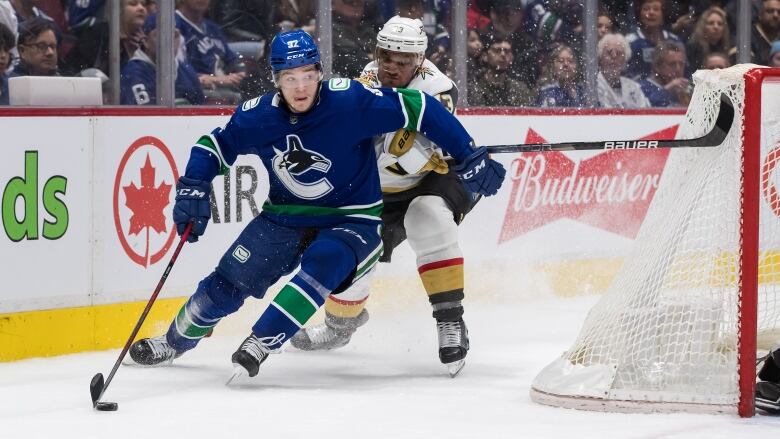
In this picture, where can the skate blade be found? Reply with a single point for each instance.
(238, 371)
(455, 367)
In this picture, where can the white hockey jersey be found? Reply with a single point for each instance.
(403, 168)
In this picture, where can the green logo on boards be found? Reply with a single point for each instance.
(20, 204)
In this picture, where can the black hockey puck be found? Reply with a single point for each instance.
(106, 406)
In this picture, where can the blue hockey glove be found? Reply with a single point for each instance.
(192, 205)
(480, 174)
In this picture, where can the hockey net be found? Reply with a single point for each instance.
(678, 329)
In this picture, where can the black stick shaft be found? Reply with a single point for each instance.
(147, 309)
(713, 138)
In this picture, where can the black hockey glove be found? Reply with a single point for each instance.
(192, 205)
(480, 174)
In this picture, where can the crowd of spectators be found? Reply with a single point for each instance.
(521, 53)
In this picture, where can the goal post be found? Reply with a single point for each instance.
(696, 297)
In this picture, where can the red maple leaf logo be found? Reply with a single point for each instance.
(147, 202)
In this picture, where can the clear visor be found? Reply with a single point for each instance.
(298, 77)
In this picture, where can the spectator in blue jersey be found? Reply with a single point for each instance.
(613, 89)
(322, 219)
(220, 70)
(84, 13)
(7, 44)
(650, 32)
(138, 81)
(564, 88)
(37, 47)
(667, 85)
(92, 49)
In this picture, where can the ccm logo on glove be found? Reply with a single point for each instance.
(480, 174)
(194, 193)
(472, 172)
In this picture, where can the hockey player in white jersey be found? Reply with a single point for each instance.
(424, 203)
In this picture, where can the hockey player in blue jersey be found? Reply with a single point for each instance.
(322, 215)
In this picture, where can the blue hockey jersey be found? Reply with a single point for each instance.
(322, 164)
(138, 82)
(206, 46)
(84, 12)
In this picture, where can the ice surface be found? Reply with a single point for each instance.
(387, 383)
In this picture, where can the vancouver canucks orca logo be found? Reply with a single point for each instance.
(296, 168)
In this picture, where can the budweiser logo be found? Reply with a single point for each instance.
(611, 190)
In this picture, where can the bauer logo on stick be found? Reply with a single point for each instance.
(631, 144)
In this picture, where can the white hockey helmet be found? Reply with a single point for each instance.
(401, 34)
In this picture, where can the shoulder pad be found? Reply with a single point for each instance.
(430, 79)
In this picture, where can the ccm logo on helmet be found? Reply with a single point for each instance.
(475, 171)
(631, 144)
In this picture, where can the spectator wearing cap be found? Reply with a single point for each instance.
(37, 47)
(667, 86)
(92, 48)
(506, 19)
(220, 70)
(494, 87)
(643, 41)
(615, 90)
(7, 44)
(564, 88)
(138, 81)
(774, 55)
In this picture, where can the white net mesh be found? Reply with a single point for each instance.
(666, 329)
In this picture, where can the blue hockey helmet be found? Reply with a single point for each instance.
(293, 49)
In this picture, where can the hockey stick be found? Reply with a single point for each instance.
(713, 138)
(97, 387)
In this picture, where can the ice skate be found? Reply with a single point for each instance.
(333, 334)
(453, 345)
(252, 353)
(768, 397)
(153, 351)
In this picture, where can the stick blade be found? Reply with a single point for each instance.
(96, 388)
(103, 406)
(725, 116)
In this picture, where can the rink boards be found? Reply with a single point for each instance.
(87, 199)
